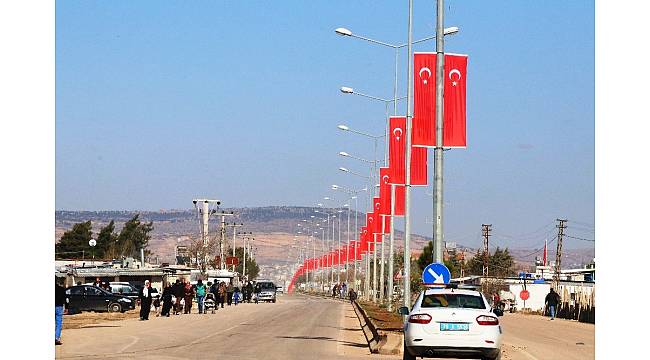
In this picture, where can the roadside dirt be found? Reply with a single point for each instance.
(383, 319)
(89, 318)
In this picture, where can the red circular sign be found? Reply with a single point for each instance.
(524, 294)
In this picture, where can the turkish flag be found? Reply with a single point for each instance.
(396, 149)
(455, 100)
(384, 190)
(418, 166)
(397, 156)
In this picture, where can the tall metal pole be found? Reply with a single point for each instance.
(330, 250)
(407, 197)
(438, 151)
(338, 266)
(347, 280)
(223, 237)
(382, 261)
(374, 268)
(244, 265)
(356, 241)
(390, 251)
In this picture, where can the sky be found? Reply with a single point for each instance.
(161, 102)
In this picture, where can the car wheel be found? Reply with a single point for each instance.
(407, 355)
(274, 301)
(114, 307)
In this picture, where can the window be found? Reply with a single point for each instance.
(74, 291)
(93, 291)
(453, 301)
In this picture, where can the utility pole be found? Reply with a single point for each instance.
(487, 228)
(558, 256)
(438, 150)
(407, 183)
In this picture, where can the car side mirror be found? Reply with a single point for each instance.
(403, 310)
(497, 312)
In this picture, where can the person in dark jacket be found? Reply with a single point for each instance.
(249, 291)
(167, 294)
(145, 300)
(230, 289)
(60, 303)
(353, 295)
(552, 299)
(177, 291)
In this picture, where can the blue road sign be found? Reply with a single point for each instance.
(436, 273)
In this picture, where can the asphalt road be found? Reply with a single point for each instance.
(296, 327)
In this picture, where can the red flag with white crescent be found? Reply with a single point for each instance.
(397, 156)
(384, 190)
(455, 100)
(545, 252)
(424, 99)
(386, 224)
(396, 149)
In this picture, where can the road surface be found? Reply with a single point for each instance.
(296, 327)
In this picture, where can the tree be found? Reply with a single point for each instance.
(501, 263)
(426, 257)
(105, 241)
(252, 269)
(74, 241)
(133, 237)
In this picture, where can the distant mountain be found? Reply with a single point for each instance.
(273, 228)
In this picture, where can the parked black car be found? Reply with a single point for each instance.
(125, 289)
(90, 298)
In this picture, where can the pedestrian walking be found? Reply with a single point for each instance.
(214, 290)
(188, 295)
(200, 295)
(178, 292)
(222, 293)
(257, 293)
(249, 290)
(167, 294)
(352, 295)
(60, 304)
(156, 303)
(146, 296)
(552, 299)
(229, 291)
(97, 283)
(236, 296)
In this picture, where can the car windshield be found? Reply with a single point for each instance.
(267, 286)
(452, 301)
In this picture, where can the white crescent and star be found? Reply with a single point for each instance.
(427, 70)
(451, 73)
(385, 178)
(397, 130)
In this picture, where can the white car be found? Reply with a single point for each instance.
(450, 322)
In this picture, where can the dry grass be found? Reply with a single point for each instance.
(383, 320)
(88, 318)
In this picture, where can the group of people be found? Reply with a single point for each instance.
(180, 295)
(340, 290)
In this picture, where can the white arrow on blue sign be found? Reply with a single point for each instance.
(436, 273)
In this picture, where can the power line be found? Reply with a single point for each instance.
(578, 238)
(540, 249)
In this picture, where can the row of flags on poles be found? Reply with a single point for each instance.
(423, 136)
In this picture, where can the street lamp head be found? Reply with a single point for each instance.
(347, 90)
(343, 153)
(344, 169)
(343, 31)
(354, 197)
(451, 30)
(343, 127)
(334, 187)
(346, 205)
(326, 198)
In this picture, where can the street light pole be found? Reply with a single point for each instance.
(438, 151)
(407, 197)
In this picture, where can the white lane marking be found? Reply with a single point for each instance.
(135, 340)
(519, 349)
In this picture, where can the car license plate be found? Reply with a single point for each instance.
(454, 327)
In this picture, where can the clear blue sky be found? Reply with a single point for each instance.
(160, 102)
